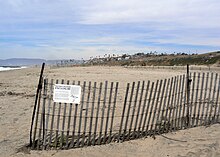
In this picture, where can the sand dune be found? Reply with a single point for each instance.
(17, 90)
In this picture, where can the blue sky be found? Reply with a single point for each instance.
(59, 29)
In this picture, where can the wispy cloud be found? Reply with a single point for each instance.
(82, 28)
(192, 12)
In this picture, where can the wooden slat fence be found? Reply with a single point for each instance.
(108, 113)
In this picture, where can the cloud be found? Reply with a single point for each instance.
(82, 28)
(192, 12)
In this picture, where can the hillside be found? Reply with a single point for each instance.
(152, 59)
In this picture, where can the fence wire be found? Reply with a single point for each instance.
(108, 112)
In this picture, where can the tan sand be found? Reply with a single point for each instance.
(17, 90)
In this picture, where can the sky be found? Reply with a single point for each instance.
(76, 29)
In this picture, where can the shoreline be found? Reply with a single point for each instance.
(7, 68)
(13, 66)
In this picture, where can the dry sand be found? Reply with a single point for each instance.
(17, 90)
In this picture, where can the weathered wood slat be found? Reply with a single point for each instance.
(188, 87)
(202, 122)
(80, 116)
(151, 107)
(196, 98)
(216, 99)
(144, 126)
(190, 83)
(138, 110)
(166, 124)
(163, 118)
(171, 108)
(180, 99)
(153, 123)
(43, 115)
(68, 125)
(97, 113)
(86, 114)
(178, 93)
(58, 123)
(48, 112)
(128, 111)
(183, 121)
(192, 102)
(72, 143)
(113, 112)
(91, 117)
(52, 120)
(211, 116)
(108, 112)
(123, 112)
(36, 119)
(63, 124)
(134, 107)
(69, 121)
(175, 105)
(103, 113)
(199, 118)
(209, 104)
(143, 109)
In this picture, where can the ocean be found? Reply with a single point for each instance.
(6, 68)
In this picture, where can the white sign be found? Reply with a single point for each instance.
(67, 93)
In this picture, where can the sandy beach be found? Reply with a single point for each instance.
(17, 95)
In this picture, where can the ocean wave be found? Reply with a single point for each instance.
(7, 68)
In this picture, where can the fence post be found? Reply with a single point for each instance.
(188, 96)
(39, 88)
(43, 113)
